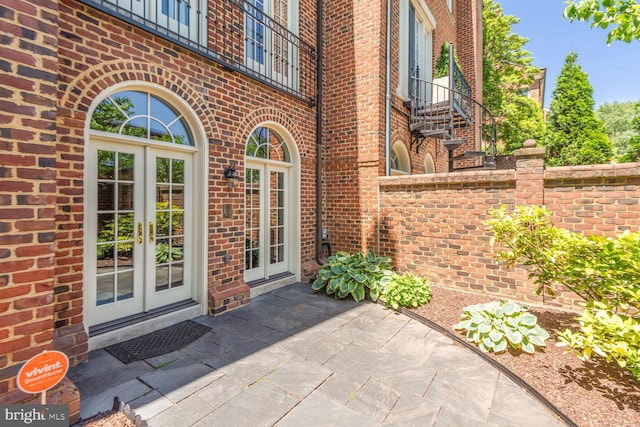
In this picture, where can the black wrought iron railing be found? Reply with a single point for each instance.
(440, 112)
(234, 33)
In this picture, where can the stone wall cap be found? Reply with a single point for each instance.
(529, 152)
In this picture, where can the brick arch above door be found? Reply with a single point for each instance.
(269, 114)
(78, 94)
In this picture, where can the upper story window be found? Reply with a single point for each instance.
(415, 43)
(271, 48)
(141, 114)
(185, 18)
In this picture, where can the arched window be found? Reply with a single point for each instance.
(265, 143)
(270, 204)
(141, 114)
(429, 165)
(400, 163)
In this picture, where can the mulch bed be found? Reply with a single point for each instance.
(592, 394)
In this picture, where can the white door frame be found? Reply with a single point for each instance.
(292, 203)
(199, 244)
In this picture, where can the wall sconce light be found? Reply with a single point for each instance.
(231, 175)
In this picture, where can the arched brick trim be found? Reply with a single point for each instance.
(268, 114)
(77, 95)
(74, 101)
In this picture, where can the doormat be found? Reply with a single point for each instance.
(159, 342)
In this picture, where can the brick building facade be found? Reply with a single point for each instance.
(161, 162)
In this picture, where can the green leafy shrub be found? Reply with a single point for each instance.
(346, 274)
(603, 271)
(596, 268)
(495, 324)
(406, 291)
(610, 335)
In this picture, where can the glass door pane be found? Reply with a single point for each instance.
(169, 230)
(252, 214)
(278, 214)
(115, 227)
(114, 218)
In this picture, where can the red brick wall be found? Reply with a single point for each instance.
(354, 106)
(57, 58)
(28, 67)
(353, 119)
(228, 104)
(432, 225)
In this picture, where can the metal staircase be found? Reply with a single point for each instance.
(444, 109)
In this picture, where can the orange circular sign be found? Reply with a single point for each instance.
(43, 371)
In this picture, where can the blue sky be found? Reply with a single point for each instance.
(614, 70)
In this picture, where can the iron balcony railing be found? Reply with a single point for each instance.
(238, 34)
(447, 114)
(445, 109)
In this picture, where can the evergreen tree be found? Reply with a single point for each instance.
(575, 136)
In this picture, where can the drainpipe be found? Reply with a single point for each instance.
(387, 133)
(319, 78)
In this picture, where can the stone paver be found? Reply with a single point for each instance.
(294, 357)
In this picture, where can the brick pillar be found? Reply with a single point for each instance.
(529, 174)
(28, 119)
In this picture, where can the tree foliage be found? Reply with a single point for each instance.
(507, 69)
(522, 119)
(575, 136)
(618, 123)
(620, 17)
(632, 153)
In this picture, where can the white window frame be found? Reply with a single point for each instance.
(424, 43)
(152, 9)
(428, 164)
(400, 160)
(266, 67)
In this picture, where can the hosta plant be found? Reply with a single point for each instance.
(494, 325)
(406, 291)
(346, 274)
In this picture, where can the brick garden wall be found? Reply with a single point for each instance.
(432, 225)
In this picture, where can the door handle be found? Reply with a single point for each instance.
(151, 232)
(139, 238)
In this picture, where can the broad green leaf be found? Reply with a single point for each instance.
(535, 340)
(358, 294)
(528, 348)
(484, 328)
(500, 346)
(528, 319)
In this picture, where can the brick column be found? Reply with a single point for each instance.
(529, 174)
(28, 80)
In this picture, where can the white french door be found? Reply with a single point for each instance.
(179, 16)
(267, 247)
(139, 222)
